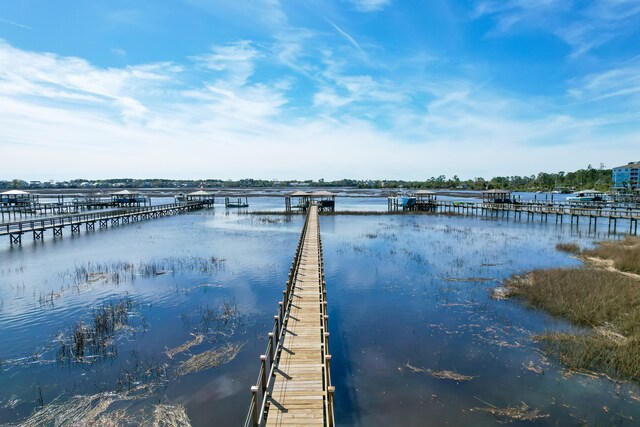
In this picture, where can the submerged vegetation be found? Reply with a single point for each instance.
(209, 359)
(571, 248)
(442, 375)
(93, 338)
(120, 271)
(605, 302)
(95, 410)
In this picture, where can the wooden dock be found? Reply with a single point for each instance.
(593, 213)
(294, 384)
(38, 226)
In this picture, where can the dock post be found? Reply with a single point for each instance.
(254, 399)
(263, 365)
(271, 350)
(330, 392)
(15, 238)
(281, 307)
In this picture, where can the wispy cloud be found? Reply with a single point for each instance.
(622, 81)
(15, 24)
(370, 5)
(220, 106)
(235, 59)
(583, 26)
(346, 36)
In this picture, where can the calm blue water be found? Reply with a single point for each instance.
(404, 291)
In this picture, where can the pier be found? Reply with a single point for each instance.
(294, 381)
(558, 211)
(37, 226)
(500, 205)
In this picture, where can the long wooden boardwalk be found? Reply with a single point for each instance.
(294, 385)
(38, 226)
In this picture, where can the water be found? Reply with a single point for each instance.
(404, 291)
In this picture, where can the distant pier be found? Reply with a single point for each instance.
(74, 221)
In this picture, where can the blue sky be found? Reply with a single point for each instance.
(316, 89)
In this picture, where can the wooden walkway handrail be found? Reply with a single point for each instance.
(284, 337)
(38, 225)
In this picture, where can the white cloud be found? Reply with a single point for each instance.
(618, 82)
(52, 78)
(217, 116)
(235, 59)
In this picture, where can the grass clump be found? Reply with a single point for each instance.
(625, 254)
(209, 359)
(606, 302)
(571, 248)
(93, 338)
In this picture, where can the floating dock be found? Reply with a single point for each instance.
(294, 384)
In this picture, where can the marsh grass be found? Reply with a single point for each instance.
(209, 359)
(606, 303)
(120, 271)
(571, 248)
(95, 410)
(442, 375)
(212, 321)
(518, 413)
(93, 338)
(625, 254)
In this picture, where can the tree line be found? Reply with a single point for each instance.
(597, 178)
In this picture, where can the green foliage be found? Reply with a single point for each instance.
(588, 178)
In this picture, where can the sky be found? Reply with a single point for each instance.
(291, 89)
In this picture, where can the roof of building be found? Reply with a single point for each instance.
(419, 192)
(15, 193)
(322, 193)
(634, 165)
(299, 194)
(122, 193)
(589, 191)
(200, 193)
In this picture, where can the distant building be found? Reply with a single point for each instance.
(35, 184)
(626, 177)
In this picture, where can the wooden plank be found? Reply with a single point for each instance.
(297, 396)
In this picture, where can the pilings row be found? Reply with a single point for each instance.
(542, 212)
(15, 230)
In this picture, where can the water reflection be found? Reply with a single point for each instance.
(409, 307)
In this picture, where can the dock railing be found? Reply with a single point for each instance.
(258, 408)
(74, 220)
(328, 388)
(268, 360)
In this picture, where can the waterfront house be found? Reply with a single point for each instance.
(626, 177)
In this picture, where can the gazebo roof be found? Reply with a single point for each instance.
(590, 191)
(299, 194)
(14, 193)
(420, 192)
(322, 193)
(200, 193)
(122, 193)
